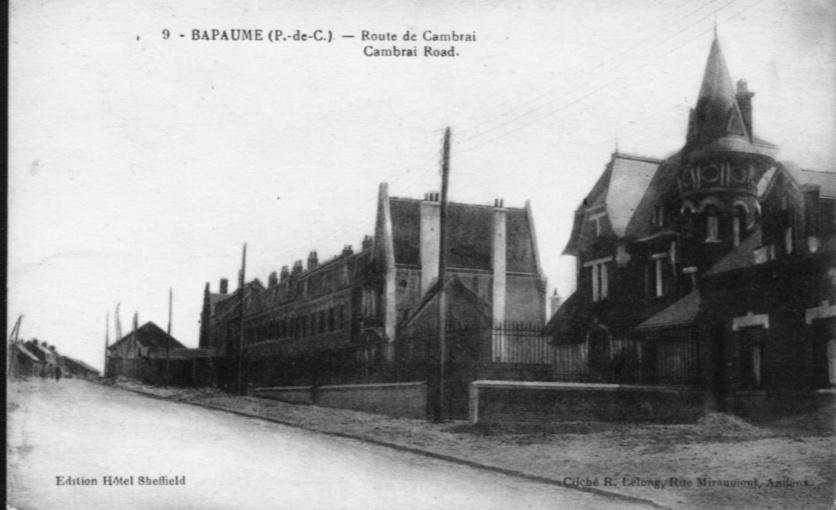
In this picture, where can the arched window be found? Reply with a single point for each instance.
(712, 225)
(738, 224)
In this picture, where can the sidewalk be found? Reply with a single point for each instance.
(722, 453)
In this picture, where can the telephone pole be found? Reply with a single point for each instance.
(442, 270)
(240, 361)
(167, 344)
(107, 342)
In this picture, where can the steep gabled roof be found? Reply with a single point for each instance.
(630, 179)
(469, 235)
(151, 336)
(619, 191)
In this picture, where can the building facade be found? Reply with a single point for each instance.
(712, 267)
(331, 321)
(143, 354)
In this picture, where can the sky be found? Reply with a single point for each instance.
(139, 163)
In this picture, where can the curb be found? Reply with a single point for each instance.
(409, 449)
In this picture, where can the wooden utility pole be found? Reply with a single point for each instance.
(117, 323)
(107, 342)
(442, 270)
(11, 357)
(240, 361)
(170, 299)
(168, 344)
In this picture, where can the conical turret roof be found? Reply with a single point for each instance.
(717, 113)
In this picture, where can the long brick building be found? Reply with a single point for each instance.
(328, 321)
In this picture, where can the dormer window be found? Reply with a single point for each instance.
(596, 220)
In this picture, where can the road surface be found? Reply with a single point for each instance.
(84, 431)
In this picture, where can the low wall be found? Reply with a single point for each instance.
(548, 402)
(405, 400)
(293, 394)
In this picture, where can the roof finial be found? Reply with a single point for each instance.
(715, 28)
(616, 142)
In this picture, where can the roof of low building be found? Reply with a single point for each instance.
(26, 352)
(680, 313)
(80, 363)
(742, 256)
(151, 336)
(825, 181)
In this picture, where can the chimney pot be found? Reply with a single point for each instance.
(297, 268)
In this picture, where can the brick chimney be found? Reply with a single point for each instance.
(744, 101)
(367, 243)
(347, 250)
(224, 286)
(554, 303)
(430, 239)
(272, 280)
(297, 268)
(285, 274)
(313, 260)
(499, 259)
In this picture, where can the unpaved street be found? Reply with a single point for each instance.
(75, 429)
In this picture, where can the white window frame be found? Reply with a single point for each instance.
(596, 218)
(712, 228)
(659, 273)
(600, 278)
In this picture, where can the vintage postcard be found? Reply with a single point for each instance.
(422, 254)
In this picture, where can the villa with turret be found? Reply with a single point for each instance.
(711, 268)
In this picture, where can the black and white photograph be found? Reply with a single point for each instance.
(266, 254)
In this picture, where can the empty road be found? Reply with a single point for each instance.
(80, 431)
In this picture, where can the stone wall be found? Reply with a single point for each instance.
(405, 400)
(548, 402)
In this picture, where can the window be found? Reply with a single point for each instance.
(788, 239)
(599, 277)
(596, 220)
(659, 215)
(342, 317)
(331, 322)
(658, 274)
(712, 226)
(750, 355)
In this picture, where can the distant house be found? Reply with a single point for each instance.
(142, 354)
(76, 368)
(47, 356)
(22, 362)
